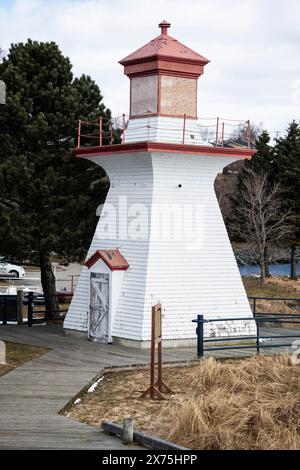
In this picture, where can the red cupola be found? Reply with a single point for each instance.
(163, 77)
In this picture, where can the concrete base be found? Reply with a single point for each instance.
(167, 343)
(130, 343)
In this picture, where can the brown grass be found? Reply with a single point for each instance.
(277, 286)
(252, 405)
(17, 354)
(234, 404)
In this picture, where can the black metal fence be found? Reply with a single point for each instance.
(35, 316)
(278, 319)
(294, 302)
(8, 308)
(11, 310)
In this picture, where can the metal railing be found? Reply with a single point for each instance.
(216, 131)
(39, 316)
(202, 340)
(255, 300)
(8, 308)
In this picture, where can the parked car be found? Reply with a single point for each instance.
(11, 270)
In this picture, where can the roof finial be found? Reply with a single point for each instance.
(164, 25)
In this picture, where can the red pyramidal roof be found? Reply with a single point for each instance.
(113, 258)
(165, 47)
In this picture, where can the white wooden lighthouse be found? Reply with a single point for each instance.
(161, 235)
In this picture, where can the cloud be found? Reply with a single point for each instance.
(253, 47)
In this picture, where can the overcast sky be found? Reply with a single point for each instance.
(253, 46)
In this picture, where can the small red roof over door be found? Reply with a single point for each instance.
(113, 258)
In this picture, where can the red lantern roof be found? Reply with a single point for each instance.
(113, 258)
(163, 51)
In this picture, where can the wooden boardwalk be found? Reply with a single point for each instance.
(32, 395)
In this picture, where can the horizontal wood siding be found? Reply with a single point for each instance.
(202, 279)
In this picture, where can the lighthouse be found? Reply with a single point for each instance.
(160, 236)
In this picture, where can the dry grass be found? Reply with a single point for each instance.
(252, 405)
(277, 286)
(234, 404)
(17, 354)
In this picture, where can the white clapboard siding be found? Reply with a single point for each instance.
(202, 279)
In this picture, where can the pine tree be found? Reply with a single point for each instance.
(262, 160)
(287, 171)
(48, 198)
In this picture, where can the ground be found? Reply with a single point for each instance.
(231, 404)
(274, 287)
(17, 354)
(277, 286)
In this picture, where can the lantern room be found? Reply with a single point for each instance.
(163, 77)
(163, 85)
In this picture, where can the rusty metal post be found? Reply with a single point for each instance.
(152, 358)
(148, 126)
(111, 132)
(124, 130)
(223, 129)
(156, 388)
(184, 125)
(78, 133)
(217, 131)
(249, 134)
(100, 131)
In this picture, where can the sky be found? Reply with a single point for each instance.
(253, 46)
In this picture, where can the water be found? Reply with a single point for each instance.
(275, 269)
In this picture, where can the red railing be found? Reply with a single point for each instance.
(216, 131)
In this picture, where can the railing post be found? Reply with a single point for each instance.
(254, 306)
(184, 124)
(20, 307)
(249, 134)
(30, 309)
(100, 131)
(217, 132)
(200, 336)
(4, 321)
(257, 336)
(148, 126)
(223, 129)
(111, 132)
(124, 130)
(78, 133)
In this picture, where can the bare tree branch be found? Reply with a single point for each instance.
(259, 215)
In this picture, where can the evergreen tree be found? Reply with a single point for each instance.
(48, 198)
(287, 171)
(262, 160)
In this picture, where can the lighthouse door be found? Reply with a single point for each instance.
(99, 308)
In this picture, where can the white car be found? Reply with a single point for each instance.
(11, 270)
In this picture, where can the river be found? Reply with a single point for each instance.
(275, 269)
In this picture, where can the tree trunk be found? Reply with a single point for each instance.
(266, 261)
(293, 263)
(49, 287)
(262, 273)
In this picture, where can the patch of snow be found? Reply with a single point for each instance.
(95, 385)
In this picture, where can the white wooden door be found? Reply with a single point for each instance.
(99, 307)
